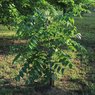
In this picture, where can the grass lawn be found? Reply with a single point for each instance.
(77, 81)
(86, 25)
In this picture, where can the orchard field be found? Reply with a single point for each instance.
(80, 80)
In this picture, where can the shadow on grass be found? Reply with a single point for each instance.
(10, 45)
(9, 89)
(41, 91)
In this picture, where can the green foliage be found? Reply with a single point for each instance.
(48, 33)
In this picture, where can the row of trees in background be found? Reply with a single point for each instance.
(48, 25)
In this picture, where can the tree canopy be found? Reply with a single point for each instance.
(26, 7)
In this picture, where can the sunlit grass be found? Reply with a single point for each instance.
(9, 34)
(5, 32)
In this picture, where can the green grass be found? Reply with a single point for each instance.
(5, 32)
(86, 25)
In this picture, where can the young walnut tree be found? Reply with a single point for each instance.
(48, 26)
